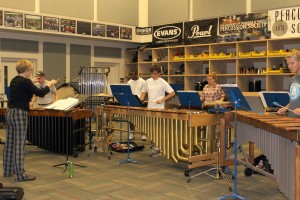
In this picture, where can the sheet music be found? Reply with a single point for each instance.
(63, 104)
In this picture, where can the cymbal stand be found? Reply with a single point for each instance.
(217, 170)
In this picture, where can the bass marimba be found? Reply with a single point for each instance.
(278, 138)
(56, 130)
(178, 133)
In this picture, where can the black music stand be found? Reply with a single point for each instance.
(238, 101)
(189, 100)
(67, 163)
(134, 101)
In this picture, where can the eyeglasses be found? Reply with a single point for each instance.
(155, 73)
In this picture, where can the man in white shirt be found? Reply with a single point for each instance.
(136, 85)
(50, 97)
(156, 88)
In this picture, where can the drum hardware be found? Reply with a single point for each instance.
(218, 170)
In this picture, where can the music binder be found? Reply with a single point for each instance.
(189, 99)
(64, 104)
(235, 96)
(129, 100)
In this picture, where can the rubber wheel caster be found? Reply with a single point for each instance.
(95, 149)
(75, 154)
(248, 172)
(189, 180)
(187, 172)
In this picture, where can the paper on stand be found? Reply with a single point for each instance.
(63, 104)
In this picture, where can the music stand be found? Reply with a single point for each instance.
(189, 99)
(177, 86)
(238, 101)
(68, 163)
(268, 99)
(134, 101)
(120, 88)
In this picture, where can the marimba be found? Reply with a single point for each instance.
(178, 133)
(278, 138)
(52, 130)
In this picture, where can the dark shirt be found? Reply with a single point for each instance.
(21, 92)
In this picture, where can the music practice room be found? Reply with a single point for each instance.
(149, 99)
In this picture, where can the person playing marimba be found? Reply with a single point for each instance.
(136, 84)
(293, 62)
(156, 87)
(212, 91)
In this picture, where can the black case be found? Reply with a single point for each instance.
(11, 193)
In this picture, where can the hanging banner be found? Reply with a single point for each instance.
(201, 32)
(253, 26)
(170, 34)
(143, 30)
(285, 23)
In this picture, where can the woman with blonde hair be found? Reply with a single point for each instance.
(212, 91)
(21, 92)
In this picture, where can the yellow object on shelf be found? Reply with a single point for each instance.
(270, 70)
(274, 53)
(178, 58)
(258, 54)
(244, 54)
(214, 55)
(224, 55)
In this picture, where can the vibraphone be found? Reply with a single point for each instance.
(178, 133)
(278, 138)
(55, 130)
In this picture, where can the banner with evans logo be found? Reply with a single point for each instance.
(201, 32)
(170, 34)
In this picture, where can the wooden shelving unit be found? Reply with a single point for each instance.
(237, 62)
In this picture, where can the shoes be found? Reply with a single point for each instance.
(131, 136)
(144, 137)
(27, 178)
(156, 152)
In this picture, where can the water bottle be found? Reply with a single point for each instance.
(71, 169)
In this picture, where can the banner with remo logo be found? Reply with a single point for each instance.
(285, 22)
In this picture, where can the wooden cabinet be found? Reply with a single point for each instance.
(241, 62)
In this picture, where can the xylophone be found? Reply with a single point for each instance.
(178, 133)
(53, 130)
(278, 138)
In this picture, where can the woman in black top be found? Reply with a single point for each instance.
(21, 92)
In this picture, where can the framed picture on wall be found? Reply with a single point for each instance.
(67, 25)
(33, 22)
(1, 17)
(112, 31)
(83, 28)
(126, 33)
(13, 19)
(98, 29)
(51, 24)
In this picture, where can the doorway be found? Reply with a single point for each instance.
(8, 71)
